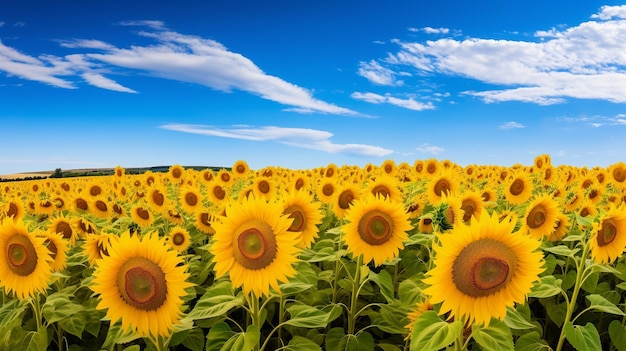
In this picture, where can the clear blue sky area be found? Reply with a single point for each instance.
(302, 84)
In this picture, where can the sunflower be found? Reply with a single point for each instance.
(157, 199)
(57, 246)
(63, 225)
(483, 268)
(560, 229)
(442, 183)
(542, 161)
(253, 244)
(217, 193)
(142, 215)
(306, 215)
(25, 262)
(203, 222)
(176, 174)
(431, 167)
(327, 190)
(240, 169)
(299, 182)
(385, 186)
(345, 197)
(608, 238)
(471, 204)
(179, 238)
(264, 187)
(389, 167)
(224, 177)
(587, 209)
(376, 229)
(425, 225)
(518, 188)
(45, 207)
(80, 203)
(617, 172)
(119, 172)
(573, 201)
(95, 187)
(540, 217)
(142, 283)
(96, 246)
(83, 227)
(415, 207)
(100, 208)
(13, 209)
(190, 199)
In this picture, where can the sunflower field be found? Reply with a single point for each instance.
(424, 256)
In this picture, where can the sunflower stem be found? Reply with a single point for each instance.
(356, 283)
(255, 315)
(571, 305)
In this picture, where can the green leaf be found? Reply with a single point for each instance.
(217, 336)
(600, 303)
(132, 348)
(583, 338)
(117, 335)
(621, 285)
(561, 250)
(251, 338)
(333, 339)
(430, 332)
(194, 340)
(385, 283)
(28, 340)
(390, 347)
(556, 312)
(617, 333)
(548, 286)
(216, 302)
(291, 289)
(299, 343)
(516, 320)
(74, 324)
(497, 336)
(306, 316)
(58, 306)
(531, 342)
(591, 282)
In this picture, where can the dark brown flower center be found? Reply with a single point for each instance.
(54, 250)
(328, 189)
(142, 284)
(619, 174)
(95, 190)
(177, 173)
(375, 227)
(101, 206)
(264, 186)
(158, 198)
(241, 169)
(517, 187)
(483, 267)
(469, 207)
(431, 168)
(536, 217)
(178, 239)
(381, 190)
(21, 255)
(254, 244)
(191, 199)
(441, 187)
(219, 192)
(299, 219)
(81, 204)
(65, 229)
(607, 232)
(225, 177)
(299, 184)
(142, 213)
(345, 199)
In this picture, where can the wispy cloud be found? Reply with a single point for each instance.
(584, 61)
(298, 137)
(512, 125)
(173, 56)
(599, 121)
(409, 103)
(378, 74)
(430, 149)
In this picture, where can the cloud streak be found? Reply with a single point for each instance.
(298, 137)
(172, 56)
(409, 103)
(585, 61)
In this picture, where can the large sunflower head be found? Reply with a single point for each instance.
(442, 184)
(608, 236)
(541, 216)
(617, 173)
(483, 268)
(253, 244)
(141, 282)
(376, 229)
(306, 214)
(13, 209)
(25, 261)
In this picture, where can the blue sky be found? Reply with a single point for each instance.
(301, 84)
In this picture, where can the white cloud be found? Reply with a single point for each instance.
(430, 30)
(609, 12)
(378, 74)
(174, 56)
(103, 82)
(409, 103)
(585, 61)
(430, 149)
(598, 121)
(298, 137)
(512, 125)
